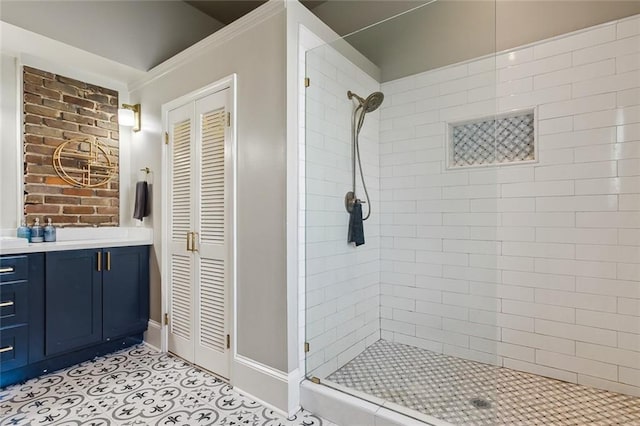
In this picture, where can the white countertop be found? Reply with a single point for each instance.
(81, 238)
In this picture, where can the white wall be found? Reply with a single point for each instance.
(261, 285)
(532, 267)
(342, 281)
(21, 47)
(9, 163)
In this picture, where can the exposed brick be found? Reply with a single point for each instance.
(61, 106)
(56, 219)
(42, 110)
(36, 159)
(77, 118)
(41, 189)
(40, 170)
(61, 87)
(41, 208)
(33, 179)
(109, 109)
(43, 131)
(108, 193)
(107, 125)
(33, 139)
(94, 114)
(96, 219)
(83, 192)
(99, 98)
(107, 210)
(78, 210)
(34, 199)
(79, 101)
(71, 81)
(61, 199)
(40, 149)
(32, 99)
(94, 131)
(43, 91)
(61, 124)
(33, 79)
(94, 201)
(109, 92)
(54, 180)
(58, 109)
(39, 72)
(33, 119)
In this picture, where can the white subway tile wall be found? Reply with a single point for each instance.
(533, 267)
(342, 282)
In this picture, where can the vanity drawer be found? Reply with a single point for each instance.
(14, 308)
(14, 347)
(13, 268)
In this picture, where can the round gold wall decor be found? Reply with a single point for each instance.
(84, 163)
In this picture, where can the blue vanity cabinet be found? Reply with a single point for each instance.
(125, 291)
(61, 308)
(73, 298)
(21, 311)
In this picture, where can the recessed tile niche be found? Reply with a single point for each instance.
(493, 140)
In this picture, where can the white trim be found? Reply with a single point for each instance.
(229, 82)
(153, 335)
(270, 387)
(357, 408)
(220, 37)
(19, 68)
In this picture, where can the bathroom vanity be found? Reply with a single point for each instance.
(67, 302)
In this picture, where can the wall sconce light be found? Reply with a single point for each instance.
(129, 116)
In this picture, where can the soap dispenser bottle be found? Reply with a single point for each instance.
(24, 231)
(49, 232)
(37, 232)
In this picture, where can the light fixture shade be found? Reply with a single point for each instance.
(129, 115)
(126, 117)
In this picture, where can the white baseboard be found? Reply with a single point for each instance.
(266, 385)
(152, 337)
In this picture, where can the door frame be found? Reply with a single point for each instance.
(229, 82)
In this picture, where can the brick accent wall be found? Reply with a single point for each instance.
(57, 108)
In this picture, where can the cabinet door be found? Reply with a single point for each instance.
(125, 291)
(73, 300)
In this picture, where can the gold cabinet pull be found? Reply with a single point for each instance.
(194, 241)
(108, 261)
(99, 261)
(6, 349)
(5, 304)
(5, 270)
(188, 241)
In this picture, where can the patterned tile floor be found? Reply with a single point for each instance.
(136, 386)
(443, 387)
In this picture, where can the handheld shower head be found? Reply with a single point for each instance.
(370, 104)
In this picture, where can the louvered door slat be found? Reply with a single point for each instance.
(212, 304)
(181, 180)
(181, 296)
(212, 176)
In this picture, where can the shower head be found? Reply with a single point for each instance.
(370, 104)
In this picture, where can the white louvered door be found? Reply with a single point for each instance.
(200, 175)
(212, 219)
(181, 218)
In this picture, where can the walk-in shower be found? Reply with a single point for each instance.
(370, 104)
(500, 280)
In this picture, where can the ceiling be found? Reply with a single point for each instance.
(227, 11)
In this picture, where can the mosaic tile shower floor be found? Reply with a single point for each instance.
(443, 387)
(136, 386)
